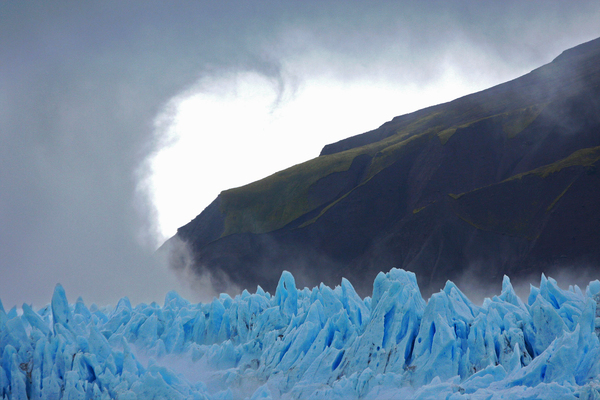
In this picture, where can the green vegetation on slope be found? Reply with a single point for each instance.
(281, 198)
(583, 157)
(276, 200)
(513, 122)
(514, 205)
(273, 202)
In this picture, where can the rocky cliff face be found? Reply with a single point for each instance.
(504, 181)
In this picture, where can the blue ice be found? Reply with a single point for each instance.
(319, 343)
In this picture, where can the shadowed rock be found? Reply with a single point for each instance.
(503, 181)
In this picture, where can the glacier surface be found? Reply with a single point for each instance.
(319, 343)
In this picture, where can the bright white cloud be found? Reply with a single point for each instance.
(230, 130)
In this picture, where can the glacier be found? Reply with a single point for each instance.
(319, 343)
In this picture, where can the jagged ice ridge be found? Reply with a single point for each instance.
(310, 344)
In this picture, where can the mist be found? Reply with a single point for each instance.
(82, 86)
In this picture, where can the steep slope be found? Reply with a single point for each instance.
(500, 181)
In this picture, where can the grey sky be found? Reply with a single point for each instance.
(81, 83)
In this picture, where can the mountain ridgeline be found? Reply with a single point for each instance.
(503, 181)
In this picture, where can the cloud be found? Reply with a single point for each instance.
(82, 83)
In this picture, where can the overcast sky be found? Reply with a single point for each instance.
(120, 121)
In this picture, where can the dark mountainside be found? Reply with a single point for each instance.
(504, 181)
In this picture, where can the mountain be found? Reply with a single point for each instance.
(503, 181)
